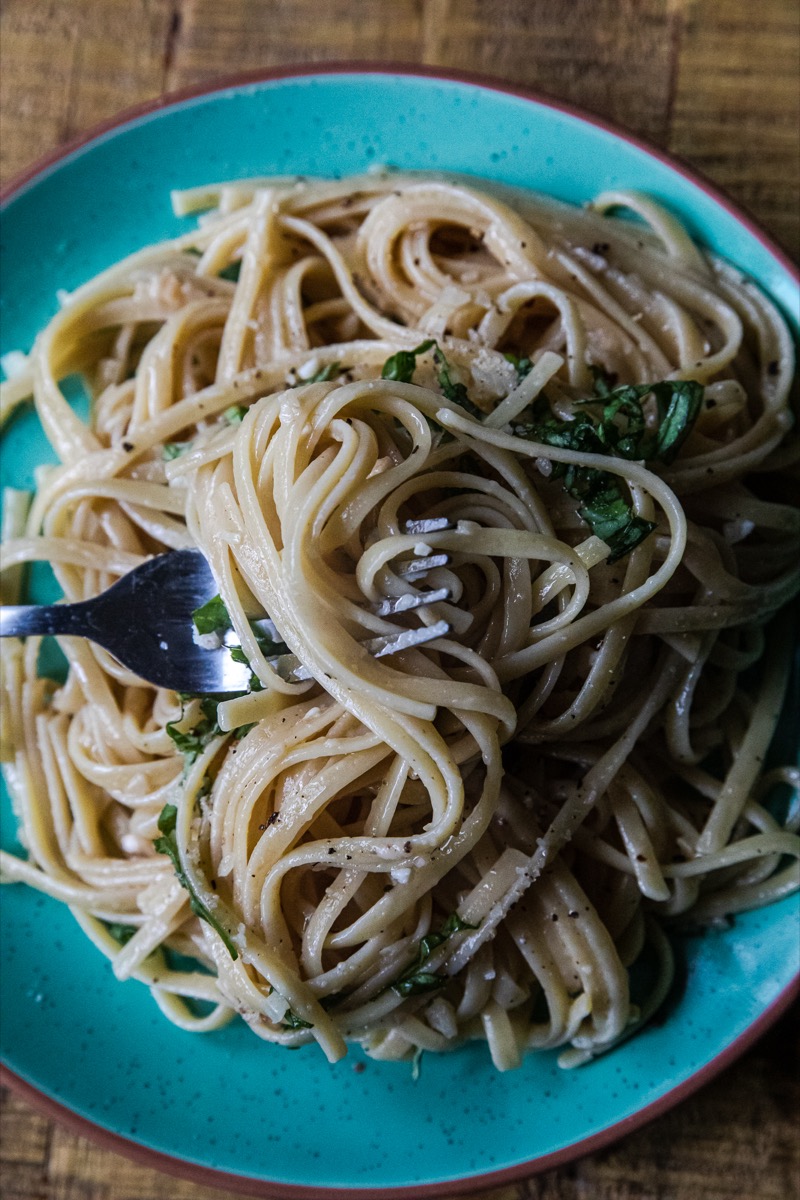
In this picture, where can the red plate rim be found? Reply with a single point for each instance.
(249, 1186)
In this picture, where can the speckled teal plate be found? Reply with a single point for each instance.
(283, 1123)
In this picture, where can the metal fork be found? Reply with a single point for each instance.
(145, 621)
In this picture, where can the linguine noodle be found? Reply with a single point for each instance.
(477, 838)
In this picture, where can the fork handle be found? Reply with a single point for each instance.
(20, 620)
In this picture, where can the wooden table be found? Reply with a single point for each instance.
(712, 81)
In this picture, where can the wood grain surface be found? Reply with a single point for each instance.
(715, 82)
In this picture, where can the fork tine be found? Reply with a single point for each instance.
(155, 636)
(418, 566)
(380, 647)
(429, 525)
(290, 668)
(408, 602)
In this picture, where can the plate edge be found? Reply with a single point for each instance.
(271, 1190)
(307, 70)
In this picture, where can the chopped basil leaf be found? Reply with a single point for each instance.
(610, 517)
(192, 742)
(172, 450)
(120, 933)
(455, 392)
(167, 820)
(523, 366)
(326, 373)
(268, 647)
(211, 616)
(292, 1021)
(271, 649)
(231, 272)
(323, 375)
(414, 980)
(419, 982)
(235, 414)
(453, 924)
(193, 250)
(401, 366)
(209, 726)
(168, 844)
(621, 430)
(603, 381)
(188, 743)
(238, 655)
(679, 403)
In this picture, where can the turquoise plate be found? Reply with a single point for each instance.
(225, 1108)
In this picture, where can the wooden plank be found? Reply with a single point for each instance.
(736, 112)
(79, 1170)
(612, 57)
(716, 81)
(64, 67)
(240, 35)
(736, 1138)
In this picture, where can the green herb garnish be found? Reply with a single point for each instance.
(678, 403)
(231, 272)
(292, 1021)
(211, 616)
(268, 647)
(172, 450)
(456, 393)
(192, 742)
(120, 933)
(323, 375)
(523, 366)
(419, 982)
(235, 414)
(619, 430)
(414, 980)
(238, 655)
(168, 844)
(401, 367)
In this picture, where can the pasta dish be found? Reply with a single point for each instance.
(377, 404)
